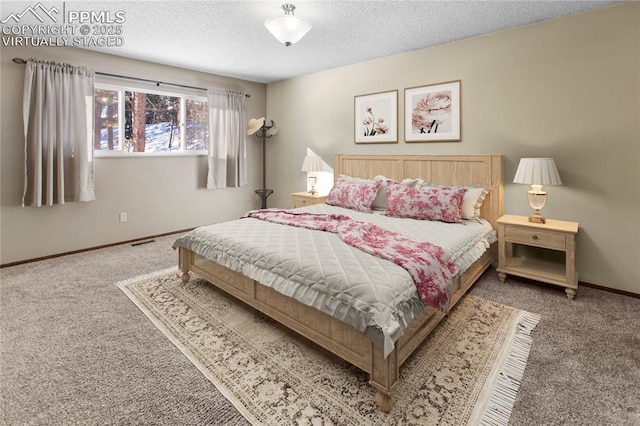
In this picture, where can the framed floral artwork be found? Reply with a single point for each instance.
(376, 117)
(432, 112)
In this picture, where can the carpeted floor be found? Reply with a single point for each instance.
(75, 350)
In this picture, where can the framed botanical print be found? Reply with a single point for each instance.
(432, 112)
(376, 117)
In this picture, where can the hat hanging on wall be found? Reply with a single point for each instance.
(254, 125)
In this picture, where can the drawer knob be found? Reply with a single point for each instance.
(535, 237)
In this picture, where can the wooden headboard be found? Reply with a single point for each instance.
(444, 169)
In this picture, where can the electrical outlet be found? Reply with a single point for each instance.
(123, 217)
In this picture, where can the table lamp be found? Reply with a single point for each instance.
(537, 172)
(311, 165)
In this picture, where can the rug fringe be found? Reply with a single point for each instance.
(154, 274)
(500, 404)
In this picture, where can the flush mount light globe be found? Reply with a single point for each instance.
(288, 29)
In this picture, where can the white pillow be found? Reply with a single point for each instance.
(472, 200)
(412, 182)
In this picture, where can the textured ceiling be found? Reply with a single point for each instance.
(229, 38)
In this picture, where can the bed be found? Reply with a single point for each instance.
(379, 351)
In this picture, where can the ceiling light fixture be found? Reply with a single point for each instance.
(288, 29)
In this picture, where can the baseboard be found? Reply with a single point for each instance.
(52, 256)
(609, 289)
(580, 284)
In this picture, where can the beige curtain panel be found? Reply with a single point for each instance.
(58, 129)
(227, 145)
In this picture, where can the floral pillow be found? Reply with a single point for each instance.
(472, 201)
(354, 196)
(444, 204)
(380, 202)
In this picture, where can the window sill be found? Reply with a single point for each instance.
(119, 154)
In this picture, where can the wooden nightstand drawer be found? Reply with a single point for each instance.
(302, 199)
(535, 237)
(301, 202)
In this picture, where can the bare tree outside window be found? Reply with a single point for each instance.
(106, 129)
(197, 131)
(135, 107)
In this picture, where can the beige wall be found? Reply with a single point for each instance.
(567, 88)
(159, 194)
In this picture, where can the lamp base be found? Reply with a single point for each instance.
(312, 182)
(537, 199)
(537, 218)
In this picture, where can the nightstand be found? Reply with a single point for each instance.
(301, 199)
(555, 235)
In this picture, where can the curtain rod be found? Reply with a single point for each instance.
(157, 83)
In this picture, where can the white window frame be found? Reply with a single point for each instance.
(121, 122)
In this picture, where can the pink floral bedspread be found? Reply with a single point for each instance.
(428, 264)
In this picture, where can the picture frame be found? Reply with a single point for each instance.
(432, 112)
(376, 117)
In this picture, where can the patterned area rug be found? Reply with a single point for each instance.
(467, 371)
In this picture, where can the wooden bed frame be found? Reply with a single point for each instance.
(335, 335)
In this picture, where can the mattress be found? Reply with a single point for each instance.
(374, 295)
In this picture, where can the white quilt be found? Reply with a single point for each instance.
(374, 295)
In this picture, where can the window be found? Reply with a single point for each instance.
(129, 120)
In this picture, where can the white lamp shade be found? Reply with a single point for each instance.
(288, 29)
(537, 171)
(312, 163)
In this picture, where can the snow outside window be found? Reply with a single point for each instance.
(141, 121)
